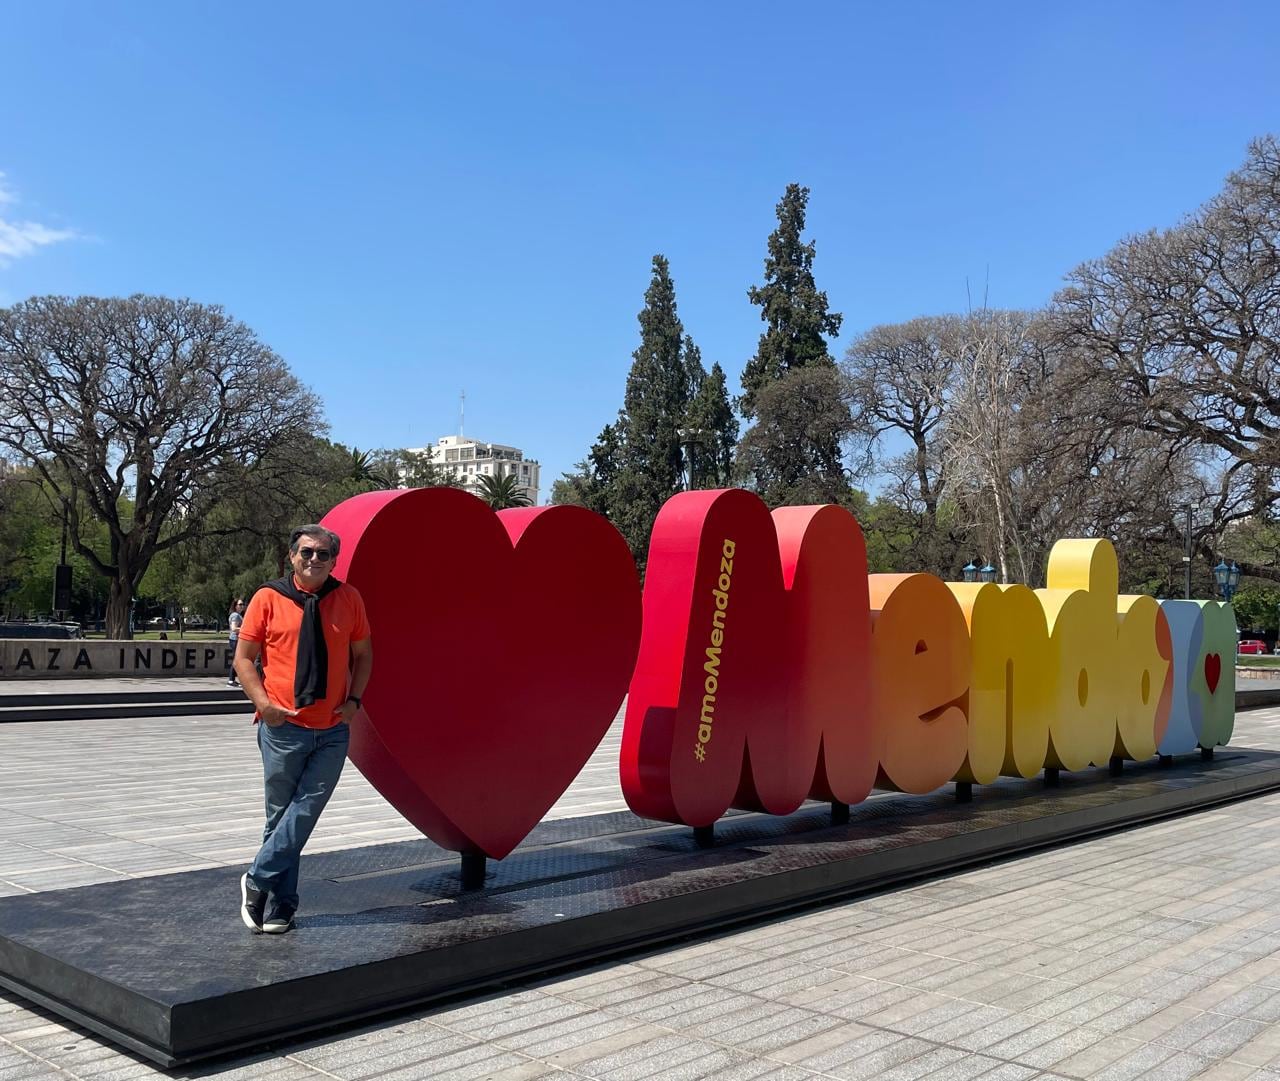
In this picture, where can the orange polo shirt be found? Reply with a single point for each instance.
(275, 621)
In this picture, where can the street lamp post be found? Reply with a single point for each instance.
(973, 573)
(62, 572)
(690, 439)
(1228, 579)
(1186, 559)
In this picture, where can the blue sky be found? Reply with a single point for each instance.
(408, 199)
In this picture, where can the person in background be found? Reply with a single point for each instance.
(312, 635)
(234, 620)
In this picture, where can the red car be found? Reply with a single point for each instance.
(1251, 645)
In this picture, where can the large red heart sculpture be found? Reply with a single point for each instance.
(1212, 670)
(503, 645)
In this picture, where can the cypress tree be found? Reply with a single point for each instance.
(636, 464)
(791, 305)
(648, 455)
(790, 387)
(657, 387)
(711, 413)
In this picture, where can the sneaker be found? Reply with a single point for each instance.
(252, 904)
(232, 683)
(280, 920)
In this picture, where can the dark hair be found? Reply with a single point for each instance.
(331, 538)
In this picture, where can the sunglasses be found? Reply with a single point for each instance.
(320, 555)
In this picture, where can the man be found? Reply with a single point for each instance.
(303, 627)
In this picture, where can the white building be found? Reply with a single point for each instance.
(464, 460)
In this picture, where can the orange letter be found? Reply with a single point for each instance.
(920, 648)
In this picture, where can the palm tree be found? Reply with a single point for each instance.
(364, 469)
(502, 493)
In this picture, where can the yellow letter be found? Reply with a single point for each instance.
(1012, 684)
(1080, 611)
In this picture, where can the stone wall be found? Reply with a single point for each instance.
(40, 658)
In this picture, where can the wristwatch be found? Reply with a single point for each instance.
(354, 698)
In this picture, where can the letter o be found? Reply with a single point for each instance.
(724, 582)
(712, 685)
(704, 733)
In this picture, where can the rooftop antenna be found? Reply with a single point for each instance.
(462, 411)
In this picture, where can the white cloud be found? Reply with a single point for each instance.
(18, 237)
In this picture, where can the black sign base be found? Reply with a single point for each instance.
(164, 966)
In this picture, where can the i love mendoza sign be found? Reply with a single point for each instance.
(766, 668)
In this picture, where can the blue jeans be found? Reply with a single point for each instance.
(300, 767)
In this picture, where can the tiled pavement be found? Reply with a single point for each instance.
(1153, 953)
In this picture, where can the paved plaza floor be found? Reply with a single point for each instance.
(1152, 953)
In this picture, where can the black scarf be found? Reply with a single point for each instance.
(311, 671)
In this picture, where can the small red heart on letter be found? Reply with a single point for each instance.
(503, 645)
(1212, 670)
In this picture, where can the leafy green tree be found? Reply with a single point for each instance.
(31, 546)
(794, 310)
(168, 582)
(902, 537)
(502, 493)
(571, 489)
(22, 514)
(1257, 607)
(791, 455)
(581, 488)
(248, 535)
(412, 469)
(591, 484)
(168, 404)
